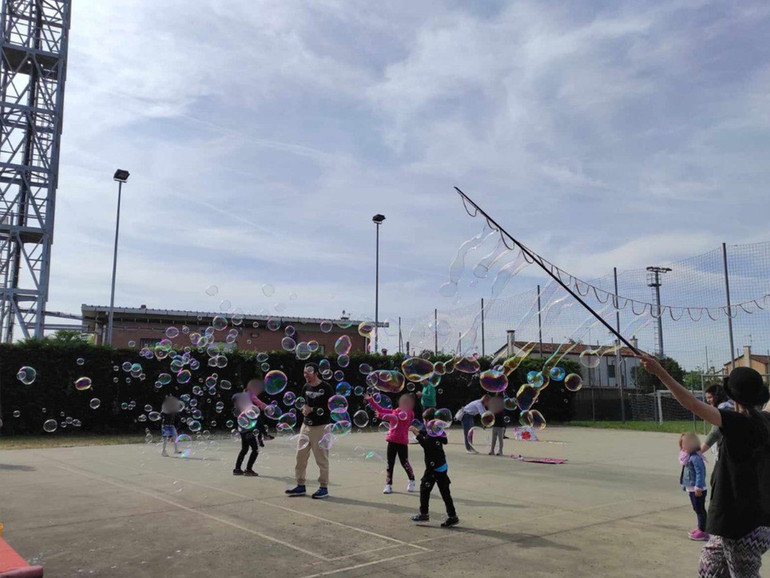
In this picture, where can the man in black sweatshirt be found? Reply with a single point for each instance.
(317, 416)
(435, 473)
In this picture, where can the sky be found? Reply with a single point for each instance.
(262, 136)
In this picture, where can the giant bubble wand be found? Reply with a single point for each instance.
(534, 257)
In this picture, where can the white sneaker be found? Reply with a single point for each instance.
(410, 486)
(388, 489)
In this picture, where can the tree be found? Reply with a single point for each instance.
(647, 382)
(68, 337)
(698, 378)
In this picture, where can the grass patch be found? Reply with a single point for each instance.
(67, 441)
(665, 427)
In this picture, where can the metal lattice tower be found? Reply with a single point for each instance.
(653, 280)
(32, 75)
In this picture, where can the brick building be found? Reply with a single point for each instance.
(139, 327)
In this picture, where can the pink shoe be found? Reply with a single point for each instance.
(699, 536)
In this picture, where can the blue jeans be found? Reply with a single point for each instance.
(467, 425)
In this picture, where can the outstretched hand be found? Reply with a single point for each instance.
(651, 364)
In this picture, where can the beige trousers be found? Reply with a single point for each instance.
(314, 434)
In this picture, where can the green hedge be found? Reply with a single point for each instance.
(53, 394)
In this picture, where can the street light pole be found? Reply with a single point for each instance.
(377, 219)
(121, 176)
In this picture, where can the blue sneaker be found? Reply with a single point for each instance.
(320, 494)
(297, 491)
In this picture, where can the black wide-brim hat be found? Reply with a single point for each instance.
(745, 386)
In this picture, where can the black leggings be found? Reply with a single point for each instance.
(402, 452)
(699, 505)
(430, 479)
(248, 441)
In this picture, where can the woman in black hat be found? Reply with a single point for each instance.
(739, 511)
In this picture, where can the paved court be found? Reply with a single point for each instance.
(614, 509)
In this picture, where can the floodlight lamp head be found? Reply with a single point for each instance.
(121, 175)
(378, 219)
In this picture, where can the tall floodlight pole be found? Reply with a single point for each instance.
(654, 282)
(121, 177)
(377, 219)
(33, 67)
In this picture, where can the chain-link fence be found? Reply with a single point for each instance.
(708, 313)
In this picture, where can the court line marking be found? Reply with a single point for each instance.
(362, 565)
(284, 508)
(194, 511)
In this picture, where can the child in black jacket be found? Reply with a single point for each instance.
(435, 472)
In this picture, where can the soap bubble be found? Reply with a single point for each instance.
(467, 365)
(493, 381)
(95, 403)
(487, 419)
(50, 425)
(27, 375)
(443, 415)
(573, 382)
(342, 345)
(361, 418)
(326, 326)
(590, 358)
(212, 290)
(300, 440)
(268, 290)
(557, 373)
(273, 324)
(83, 383)
(526, 397)
(417, 368)
(172, 332)
(303, 350)
(435, 427)
(288, 343)
(389, 381)
(366, 329)
(533, 419)
(80, 361)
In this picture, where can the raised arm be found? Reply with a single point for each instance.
(377, 407)
(681, 393)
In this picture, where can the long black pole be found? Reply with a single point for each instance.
(377, 291)
(550, 274)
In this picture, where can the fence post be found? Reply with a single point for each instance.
(729, 309)
(435, 331)
(483, 347)
(619, 371)
(539, 321)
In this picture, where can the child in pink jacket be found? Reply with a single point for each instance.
(399, 419)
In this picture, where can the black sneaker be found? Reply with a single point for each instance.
(237, 472)
(421, 518)
(268, 437)
(250, 473)
(320, 494)
(450, 521)
(297, 491)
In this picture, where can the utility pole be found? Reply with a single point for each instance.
(653, 280)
